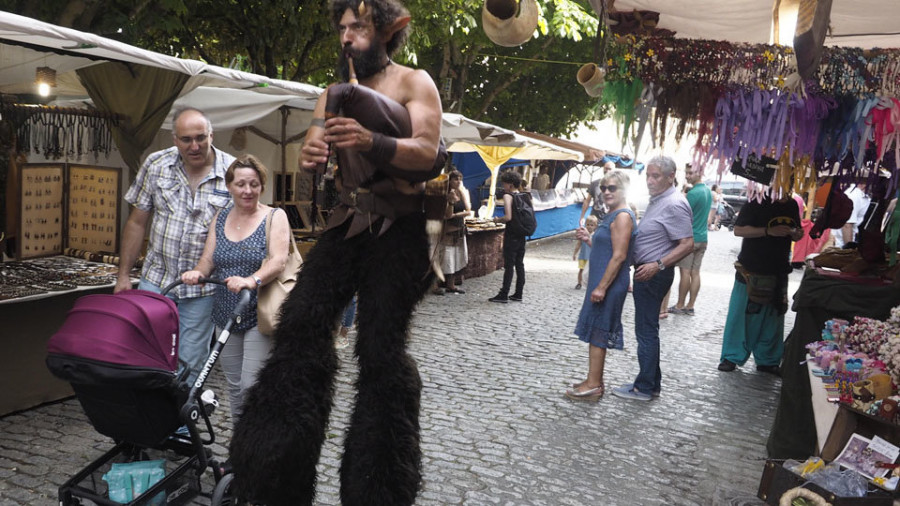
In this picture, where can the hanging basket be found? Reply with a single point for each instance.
(592, 78)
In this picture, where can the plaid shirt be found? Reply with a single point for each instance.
(181, 219)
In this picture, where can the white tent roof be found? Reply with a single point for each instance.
(232, 108)
(854, 23)
(461, 134)
(29, 43)
(222, 93)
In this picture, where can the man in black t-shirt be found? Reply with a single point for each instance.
(755, 322)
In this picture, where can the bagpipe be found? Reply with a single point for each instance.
(366, 177)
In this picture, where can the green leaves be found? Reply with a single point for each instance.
(532, 86)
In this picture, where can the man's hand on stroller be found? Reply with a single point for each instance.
(236, 283)
(191, 277)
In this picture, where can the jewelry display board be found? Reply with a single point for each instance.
(41, 210)
(93, 211)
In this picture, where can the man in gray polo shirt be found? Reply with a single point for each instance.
(665, 236)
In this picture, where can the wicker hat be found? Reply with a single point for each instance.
(508, 23)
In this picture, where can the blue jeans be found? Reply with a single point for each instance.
(648, 296)
(195, 329)
(349, 313)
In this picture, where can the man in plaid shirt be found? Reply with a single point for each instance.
(178, 192)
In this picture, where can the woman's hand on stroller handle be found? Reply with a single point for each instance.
(242, 304)
(237, 283)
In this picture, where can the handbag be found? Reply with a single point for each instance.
(271, 295)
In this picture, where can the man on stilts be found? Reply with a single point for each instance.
(375, 245)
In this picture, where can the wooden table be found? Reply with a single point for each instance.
(485, 252)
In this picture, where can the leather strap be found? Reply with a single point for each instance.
(268, 228)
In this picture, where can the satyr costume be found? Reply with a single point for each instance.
(374, 245)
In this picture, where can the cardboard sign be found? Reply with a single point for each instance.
(759, 169)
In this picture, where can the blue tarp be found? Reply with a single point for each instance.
(552, 221)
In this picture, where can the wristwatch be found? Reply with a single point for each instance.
(257, 279)
(661, 265)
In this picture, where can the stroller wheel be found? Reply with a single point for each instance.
(222, 495)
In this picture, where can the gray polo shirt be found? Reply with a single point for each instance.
(666, 221)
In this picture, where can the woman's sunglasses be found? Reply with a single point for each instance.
(612, 188)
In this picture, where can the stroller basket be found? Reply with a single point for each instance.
(180, 485)
(119, 353)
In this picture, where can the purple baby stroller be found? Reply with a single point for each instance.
(120, 354)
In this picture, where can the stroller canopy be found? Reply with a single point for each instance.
(134, 328)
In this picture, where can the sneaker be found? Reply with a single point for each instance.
(770, 369)
(727, 365)
(341, 342)
(503, 299)
(630, 386)
(515, 298)
(629, 392)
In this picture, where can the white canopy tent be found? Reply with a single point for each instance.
(29, 43)
(121, 78)
(275, 111)
(497, 145)
(857, 23)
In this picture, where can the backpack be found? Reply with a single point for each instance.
(523, 222)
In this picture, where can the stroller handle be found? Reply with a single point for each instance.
(239, 308)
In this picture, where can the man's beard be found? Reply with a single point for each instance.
(366, 63)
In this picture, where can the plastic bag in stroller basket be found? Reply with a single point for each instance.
(128, 480)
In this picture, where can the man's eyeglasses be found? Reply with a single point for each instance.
(200, 139)
(612, 188)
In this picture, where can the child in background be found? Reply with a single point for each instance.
(583, 250)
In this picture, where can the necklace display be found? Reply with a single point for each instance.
(52, 274)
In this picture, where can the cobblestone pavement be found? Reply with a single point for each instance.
(496, 428)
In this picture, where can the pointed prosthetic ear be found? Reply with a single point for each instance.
(396, 26)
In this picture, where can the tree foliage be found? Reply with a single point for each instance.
(532, 86)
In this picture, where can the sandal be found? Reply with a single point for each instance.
(589, 395)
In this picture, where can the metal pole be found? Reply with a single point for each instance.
(285, 111)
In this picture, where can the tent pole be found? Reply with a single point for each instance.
(284, 117)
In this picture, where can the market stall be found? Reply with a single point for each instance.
(726, 78)
(822, 296)
(480, 150)
(66, 166)
(35, 296)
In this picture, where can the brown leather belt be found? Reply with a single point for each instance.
(366, 206)
(391, 205)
